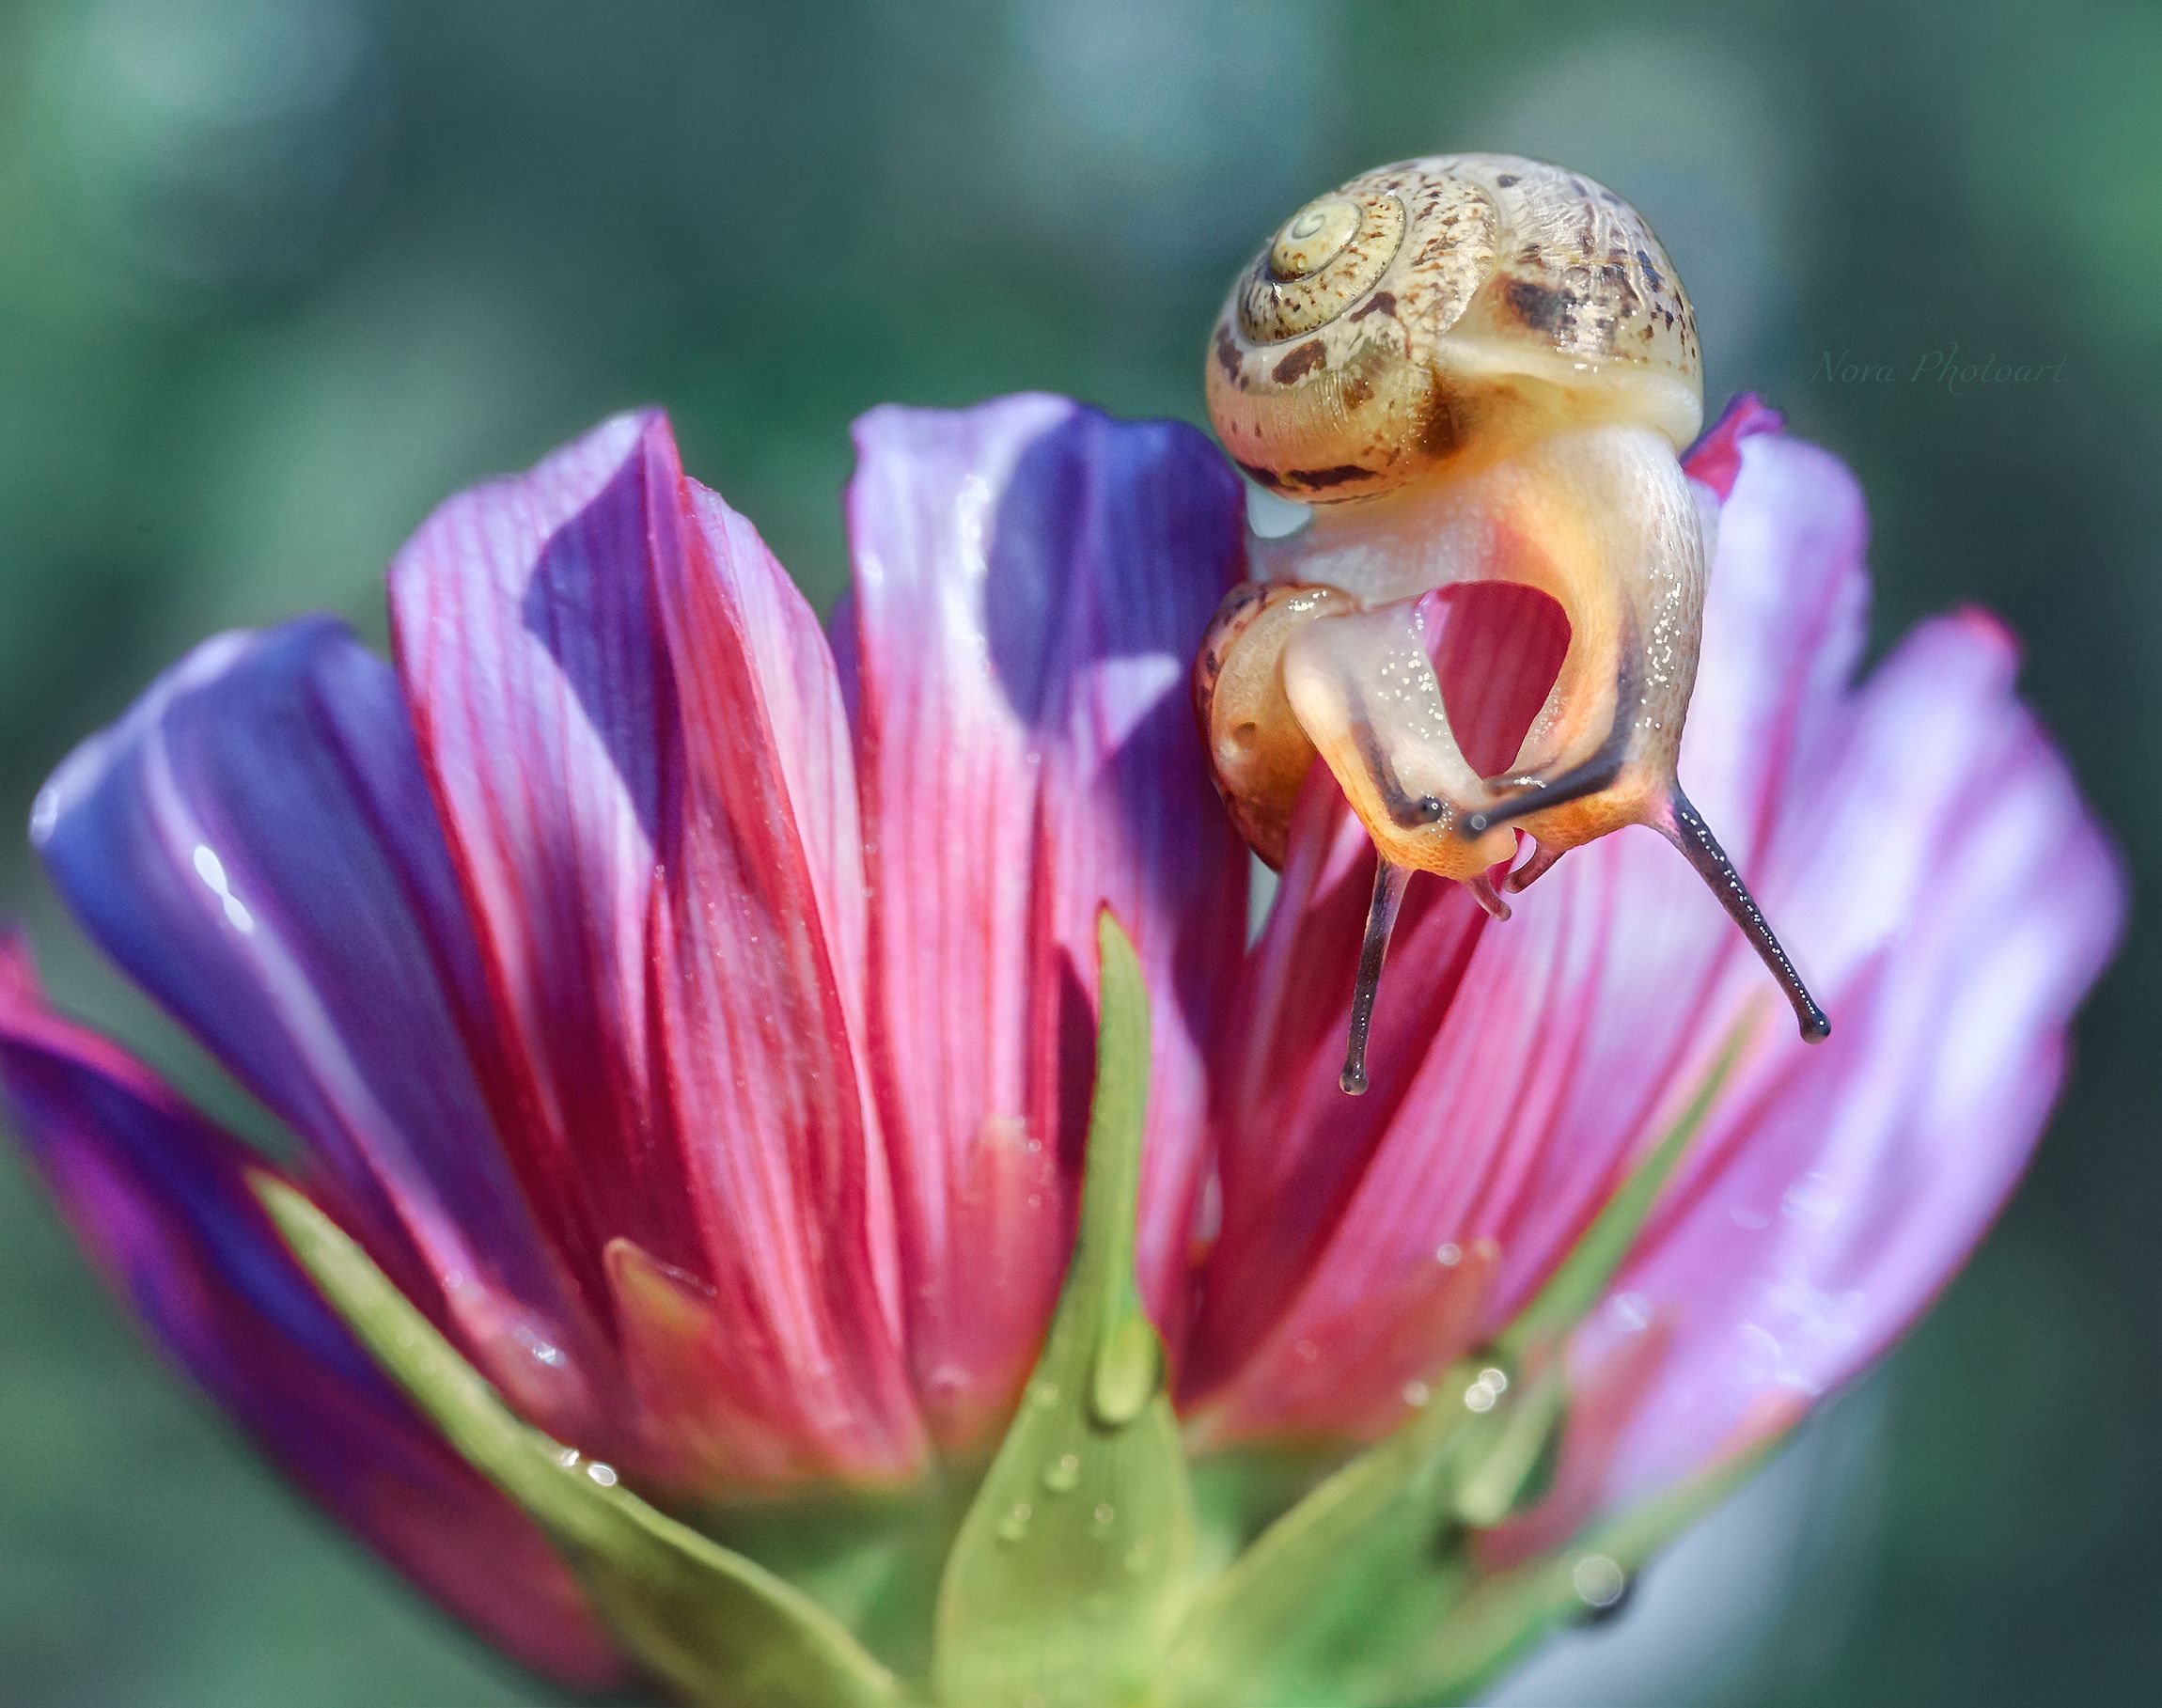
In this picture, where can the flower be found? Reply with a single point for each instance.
(693, 1015)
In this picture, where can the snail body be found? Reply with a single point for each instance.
(1473, 368)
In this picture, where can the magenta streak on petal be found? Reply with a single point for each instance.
(254, 842)
(1715, 459)
(159, 1198)
(1031, 582)
(634, 738)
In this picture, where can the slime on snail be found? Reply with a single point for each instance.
(1474, 369)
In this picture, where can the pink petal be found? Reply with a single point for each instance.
(160, 1200)
(636, 745)
(1829, 1207)
(1031, 581)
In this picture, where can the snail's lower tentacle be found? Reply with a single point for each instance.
(1681, 825)
(1388, 886)
(1489, 897)
(1543, 855)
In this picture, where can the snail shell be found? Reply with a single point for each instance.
(1395, 322)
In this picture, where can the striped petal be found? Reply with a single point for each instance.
(1833, 1204)
(1031, 582)
(635, 741)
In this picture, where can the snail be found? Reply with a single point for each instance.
(1472, 368)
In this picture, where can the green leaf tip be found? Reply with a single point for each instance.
(718, 1628)
(1078, 1544)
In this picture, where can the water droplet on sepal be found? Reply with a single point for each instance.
(1128, 1373)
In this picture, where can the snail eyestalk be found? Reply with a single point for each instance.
(1389, 886)
(1683, 826)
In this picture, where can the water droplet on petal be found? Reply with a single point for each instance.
(1043, 1395)
(1448, 1255)
(603, 1474)
(1014, 1526)
(1631, 1312)
(1064, 1473)
(1496, 1379)
(1416, 1394)
(1103, 1515)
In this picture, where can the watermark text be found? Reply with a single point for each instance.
(1942, 366)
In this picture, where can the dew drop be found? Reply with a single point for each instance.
(1415, 1394)
(1631, 1312)
(1599, 1582)
(603, 1474)
(1043, 1395)
(1479, 1397)
(1062, 1474)
(1140, 1558)
(1014, 1526)
(1103, 1515)
(1448, 1255)
(1129, 1369)
(1496, 1379)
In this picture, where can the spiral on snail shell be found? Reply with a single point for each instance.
(1387, 321)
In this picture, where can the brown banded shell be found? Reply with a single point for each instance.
(1387, 319)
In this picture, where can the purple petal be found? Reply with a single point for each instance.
(160, 1200)
(1031, 582)
(254, 844)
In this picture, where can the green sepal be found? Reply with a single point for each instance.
(1344, 1592)
(718, 1629)
(1347, 1582)
(1498, 1620)
(1081, 1538)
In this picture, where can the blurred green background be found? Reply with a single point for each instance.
(277, 274)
